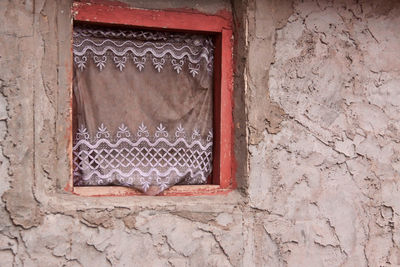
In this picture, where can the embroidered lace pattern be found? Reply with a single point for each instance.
(143, 49)
(142, 159)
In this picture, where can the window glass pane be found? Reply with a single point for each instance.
(142, 108)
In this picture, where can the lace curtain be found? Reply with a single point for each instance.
(142, 108)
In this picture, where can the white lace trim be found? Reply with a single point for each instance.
(192, 39)
(120, 46)
(141, 160)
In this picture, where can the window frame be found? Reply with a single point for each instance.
(223, 178)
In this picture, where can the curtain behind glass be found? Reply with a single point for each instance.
(143, 108)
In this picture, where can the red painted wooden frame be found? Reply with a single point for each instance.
(220, 24)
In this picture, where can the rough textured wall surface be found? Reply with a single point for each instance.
(317, 128)
(329, 178)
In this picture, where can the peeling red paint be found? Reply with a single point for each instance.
(104, 2)
(159, 19)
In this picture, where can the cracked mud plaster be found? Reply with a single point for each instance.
(329, 179)
(321, 83)
(17, 83)
(264, 17)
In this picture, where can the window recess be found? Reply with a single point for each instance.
(152, 107)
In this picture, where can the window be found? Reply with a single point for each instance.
(152, 102)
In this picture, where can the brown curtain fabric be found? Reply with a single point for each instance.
(143, 108)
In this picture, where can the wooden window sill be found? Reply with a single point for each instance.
(178, 190)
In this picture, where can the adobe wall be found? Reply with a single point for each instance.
(317, 143)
